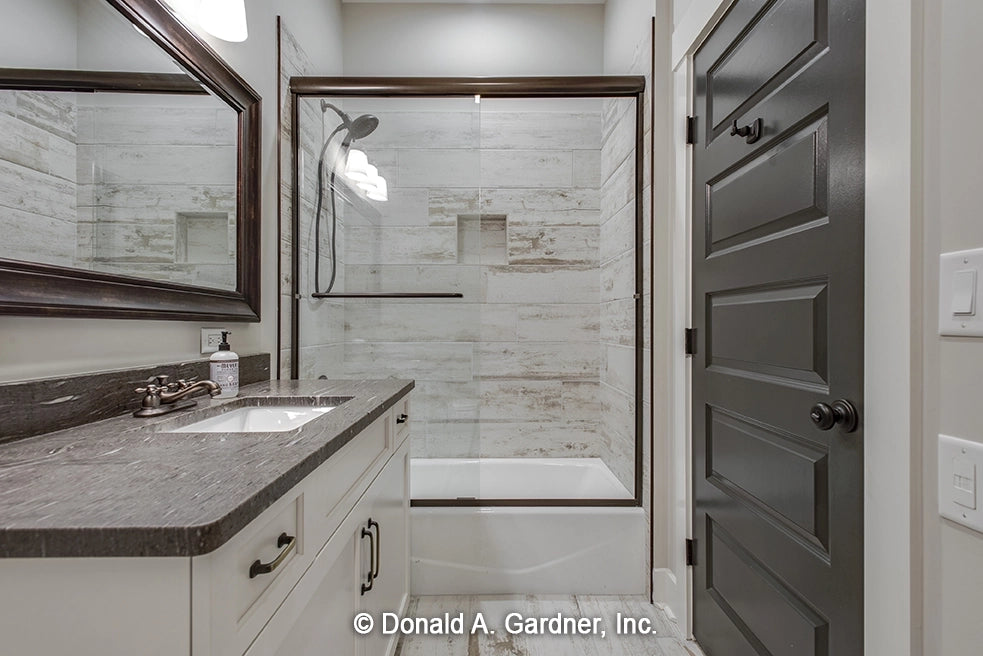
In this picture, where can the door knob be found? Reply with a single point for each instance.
(841, 412)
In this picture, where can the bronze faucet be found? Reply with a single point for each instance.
(161, 397)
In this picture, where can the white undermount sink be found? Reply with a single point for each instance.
(265, 419)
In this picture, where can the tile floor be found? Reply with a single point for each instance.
(666, 641)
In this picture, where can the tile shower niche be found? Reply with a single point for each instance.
(482, 239)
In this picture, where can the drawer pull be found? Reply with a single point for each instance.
(378, 545)
(401, 419)
(372, 546)
(285, 542)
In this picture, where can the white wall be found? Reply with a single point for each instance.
(441, 39)
(627, 23)
(953, 576)
(38, 34)
(40, 347)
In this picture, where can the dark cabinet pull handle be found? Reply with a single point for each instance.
(401, 419)
(841, 412)
(378, 546)
(372, 547)
(285, 542)
(751, 133)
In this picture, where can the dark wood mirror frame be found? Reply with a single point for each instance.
(34, 289)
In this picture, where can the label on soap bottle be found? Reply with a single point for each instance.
(226, 374)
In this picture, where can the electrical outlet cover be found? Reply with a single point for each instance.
(960, 466)
(211, 338)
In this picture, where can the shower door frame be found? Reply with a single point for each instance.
(591, 86)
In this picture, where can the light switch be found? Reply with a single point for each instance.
(959, 461)
(964, 292)
(959, 287)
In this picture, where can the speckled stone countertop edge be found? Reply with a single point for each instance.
(192, 539)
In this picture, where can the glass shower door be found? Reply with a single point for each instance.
(385, 307)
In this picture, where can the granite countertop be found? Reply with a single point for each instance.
(124, 487)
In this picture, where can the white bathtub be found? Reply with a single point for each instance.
(524, 550)
(514, 478)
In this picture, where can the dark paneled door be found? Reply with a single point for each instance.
(778, 307)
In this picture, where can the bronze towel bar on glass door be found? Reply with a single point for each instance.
(389, 295)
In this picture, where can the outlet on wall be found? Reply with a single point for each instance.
(211, 338)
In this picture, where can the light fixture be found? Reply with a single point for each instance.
(380, 190)
(357, 166)
(225, 19)
(371, 174)
(186, 10)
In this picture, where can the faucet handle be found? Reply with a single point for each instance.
(186, 382)
(162, 379)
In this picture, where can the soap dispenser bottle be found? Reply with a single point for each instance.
(224, 369)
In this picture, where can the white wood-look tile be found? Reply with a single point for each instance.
(540, 284)
(541, 130)
(575, 322)
(526, 168)
(568, 245)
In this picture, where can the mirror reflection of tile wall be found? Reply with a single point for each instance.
(137, 185)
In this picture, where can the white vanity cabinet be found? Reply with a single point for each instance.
(364, 567)
(342, 530)
(290, 582)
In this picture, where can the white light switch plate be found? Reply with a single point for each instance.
(960, 468)
(956, 271)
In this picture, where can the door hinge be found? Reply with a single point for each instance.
(690, 341)
(690, 129)
(690, 553)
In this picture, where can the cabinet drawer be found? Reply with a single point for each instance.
(344, 477)
(273, 547)
(231, 607)
(401, 418)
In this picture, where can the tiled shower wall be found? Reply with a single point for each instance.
(322, 321)
(101, 187)
(514, 368)
(617, 314)
(135, 162)
(38, 194)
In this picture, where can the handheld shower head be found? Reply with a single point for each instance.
(358, 128)
(363, 126)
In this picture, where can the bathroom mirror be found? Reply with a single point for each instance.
(128, 167)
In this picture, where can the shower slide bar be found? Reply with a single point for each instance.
(388, 295)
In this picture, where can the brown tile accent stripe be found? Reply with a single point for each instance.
(41, 406)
